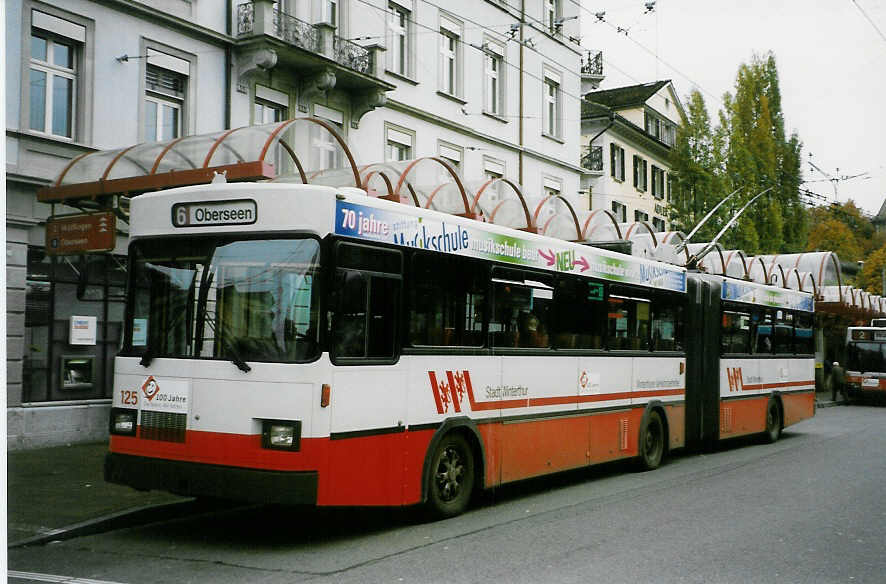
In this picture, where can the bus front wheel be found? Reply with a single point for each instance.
(452, 477)
(773, 422)
(652, 442)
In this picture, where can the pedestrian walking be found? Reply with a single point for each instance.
(838, 381)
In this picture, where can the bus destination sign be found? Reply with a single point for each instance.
(214, 213)
(84, 233)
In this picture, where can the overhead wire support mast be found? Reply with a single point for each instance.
(836, 179)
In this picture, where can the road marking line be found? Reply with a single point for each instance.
(53, 578)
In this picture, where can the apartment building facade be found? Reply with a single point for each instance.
(627, 135)
(491, 88)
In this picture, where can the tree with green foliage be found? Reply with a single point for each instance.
(694, 172)
(748, 150)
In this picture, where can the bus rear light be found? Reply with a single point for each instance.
(281, 434)
(123, 421)
(325, 392)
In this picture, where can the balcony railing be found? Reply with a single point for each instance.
(592, 63)
(305, 36)
(296, 32)
(352, 55)
(592, 159)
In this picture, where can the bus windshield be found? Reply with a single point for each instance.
(865, 356)
(248, 299)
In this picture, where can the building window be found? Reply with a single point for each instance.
(270, 105)
(620, 211)
(552, 15)
(494, 87)
(450, 153)
(449, 62)
(658, 182)
(616, 162)
(551, 187)
(552, 106)
(450, 56)
(640, 167)
(641, 216)
(326, 151)
(330, 12)
(265, 112)
(164, 101)
(53, 78)
(660, 128)
(400, 51)
(658, 224)
(399, 143)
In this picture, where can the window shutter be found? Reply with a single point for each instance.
(612, 171)
(622, 164)
(636, 174)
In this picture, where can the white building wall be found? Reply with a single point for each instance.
(197, 31)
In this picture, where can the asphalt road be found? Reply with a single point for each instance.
(809, 508)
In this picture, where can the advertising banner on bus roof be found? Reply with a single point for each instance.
(433, 234)
(766, 296)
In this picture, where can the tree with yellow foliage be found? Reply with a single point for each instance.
(831, 234)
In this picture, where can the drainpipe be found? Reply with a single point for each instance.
(611, 122)
(591, 141)
(520, 153)
(228, 65)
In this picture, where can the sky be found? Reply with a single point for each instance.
(831, 62)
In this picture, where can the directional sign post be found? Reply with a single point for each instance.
(75, 234)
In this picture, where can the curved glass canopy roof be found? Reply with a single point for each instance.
(312, 151)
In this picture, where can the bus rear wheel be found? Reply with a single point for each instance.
(452, 477)
(652, 442)
(773, 422)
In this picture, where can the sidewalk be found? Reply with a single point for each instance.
(54, 490)
(823, 400)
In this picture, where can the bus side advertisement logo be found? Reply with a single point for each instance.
(736, 381)
(450, 391)
(150, 387)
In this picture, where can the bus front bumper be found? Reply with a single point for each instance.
(207, 480)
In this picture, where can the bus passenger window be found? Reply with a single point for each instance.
(447, 298)
(735, 333)
(667, 325)
(763, 339)
(578, 316)
(803, 340)
(520, 310)
(783, 339)
(629, 319)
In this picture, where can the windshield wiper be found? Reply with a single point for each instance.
(147, 357)
(235, 356)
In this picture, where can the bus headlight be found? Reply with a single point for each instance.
(123, 421)
(281, 434)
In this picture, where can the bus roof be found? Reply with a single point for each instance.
(349, 212)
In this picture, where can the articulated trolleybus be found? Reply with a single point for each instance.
(309, 345)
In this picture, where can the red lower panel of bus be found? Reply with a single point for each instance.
(797, 407)
(748, 416)
(386, 469)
